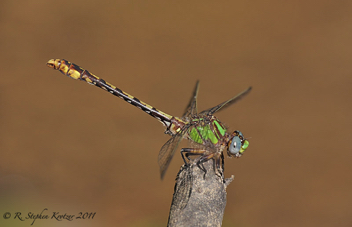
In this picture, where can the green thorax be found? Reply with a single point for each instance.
(203, 130)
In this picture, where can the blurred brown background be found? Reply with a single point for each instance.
(72, 148)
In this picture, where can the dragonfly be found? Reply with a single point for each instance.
(208, 136)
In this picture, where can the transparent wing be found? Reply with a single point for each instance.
(227, 103)
(168, 150)
(191, 109)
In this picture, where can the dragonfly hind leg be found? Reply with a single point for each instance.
(186, 152)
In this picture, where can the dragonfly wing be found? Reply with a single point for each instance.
(191, 109)
(168, 150)
(227, 103)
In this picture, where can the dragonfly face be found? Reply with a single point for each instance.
(237, 144)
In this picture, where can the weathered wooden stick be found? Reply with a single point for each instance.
(202, 203)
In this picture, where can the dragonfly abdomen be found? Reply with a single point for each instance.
(76, 72)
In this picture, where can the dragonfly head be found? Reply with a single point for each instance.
(237, 144)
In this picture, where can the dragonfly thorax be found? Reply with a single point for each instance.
(207, 129)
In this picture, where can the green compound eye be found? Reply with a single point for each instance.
(244, 146)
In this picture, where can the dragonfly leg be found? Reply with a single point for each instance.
(190, 151)
(186, 152)
(218, 159)
(203, 159)
(218, 167)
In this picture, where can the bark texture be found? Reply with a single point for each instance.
(198, 201)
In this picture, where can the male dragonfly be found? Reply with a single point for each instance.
(208, 136)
